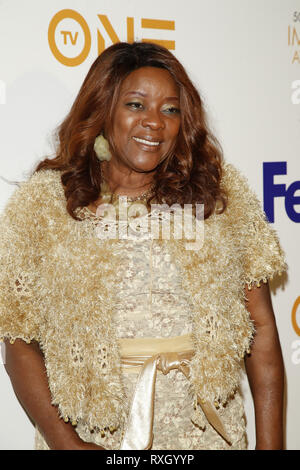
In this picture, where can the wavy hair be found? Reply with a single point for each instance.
(192, 174)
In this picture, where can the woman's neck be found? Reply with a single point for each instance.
(125, 182)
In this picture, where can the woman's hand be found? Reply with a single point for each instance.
(89, 446)
(78, 444)
(73, 442)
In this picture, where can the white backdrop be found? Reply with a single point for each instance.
(244, 57)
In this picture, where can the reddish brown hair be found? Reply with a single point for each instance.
(191, 175)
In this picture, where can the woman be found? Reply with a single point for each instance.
(108, 310)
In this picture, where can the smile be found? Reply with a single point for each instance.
(146, 142)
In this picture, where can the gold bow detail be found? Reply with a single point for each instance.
(139, 431)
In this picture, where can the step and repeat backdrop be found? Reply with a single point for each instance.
(243, 56)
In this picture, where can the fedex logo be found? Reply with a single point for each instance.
(273, 190)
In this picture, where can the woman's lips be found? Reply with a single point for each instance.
(151, 143)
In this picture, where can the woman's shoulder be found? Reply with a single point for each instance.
(244, 208)
(39, 191)
(43, 180)
(241, 195)
(232, 177)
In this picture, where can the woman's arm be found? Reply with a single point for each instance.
(26, 368)
(265, 371)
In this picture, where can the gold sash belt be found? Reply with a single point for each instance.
(146, 355)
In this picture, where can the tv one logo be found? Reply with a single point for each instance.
(274, 190)
(70, 37)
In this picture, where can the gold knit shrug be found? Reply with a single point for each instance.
(57, 285)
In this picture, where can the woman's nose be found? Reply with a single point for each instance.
(153, 119)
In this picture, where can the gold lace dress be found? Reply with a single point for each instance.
(152, 303)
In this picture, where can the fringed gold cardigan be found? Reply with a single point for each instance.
(57, 284)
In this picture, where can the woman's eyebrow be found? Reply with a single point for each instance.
(136, 93)
(144, 95)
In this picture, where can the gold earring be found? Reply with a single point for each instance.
(101, 148)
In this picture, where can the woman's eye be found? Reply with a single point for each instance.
(172, 110)
(134, 105)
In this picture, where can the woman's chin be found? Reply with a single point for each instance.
(145, 166)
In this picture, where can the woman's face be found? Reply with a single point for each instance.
(146, 120)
